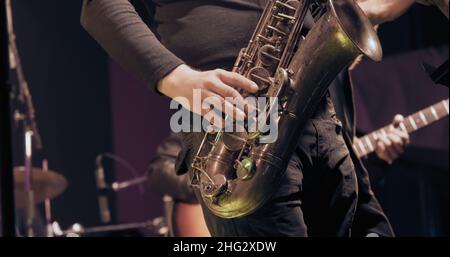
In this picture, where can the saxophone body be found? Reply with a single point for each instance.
(234, 172)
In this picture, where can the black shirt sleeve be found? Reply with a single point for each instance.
(118, 28)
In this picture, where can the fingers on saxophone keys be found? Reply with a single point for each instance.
(236, 80)
(230, 94)
(225, 90)
(219, 105)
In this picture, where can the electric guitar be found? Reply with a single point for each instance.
(367, 144)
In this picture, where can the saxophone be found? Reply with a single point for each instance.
(235, 173)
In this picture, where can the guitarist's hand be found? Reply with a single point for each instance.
(390, 147)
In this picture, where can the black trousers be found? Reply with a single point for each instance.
(318, 195)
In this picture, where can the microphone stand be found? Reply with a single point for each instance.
(31, 134)
(7, 216)
(118, 186)
(103, 187)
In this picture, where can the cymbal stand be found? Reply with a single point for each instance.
(8, 228)
(48, 207)
(27, 118)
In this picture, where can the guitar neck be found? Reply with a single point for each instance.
(367, 144)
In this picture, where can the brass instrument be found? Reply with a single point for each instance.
(235, 173)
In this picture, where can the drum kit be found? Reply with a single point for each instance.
(48, 184)
(34, 186)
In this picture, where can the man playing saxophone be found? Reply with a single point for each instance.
(325, 190)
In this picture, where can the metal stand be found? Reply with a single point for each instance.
(156, 225)
(31, 135)
(48, 207)
(8, 224)
(29, 182)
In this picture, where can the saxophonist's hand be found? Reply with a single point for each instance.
(217, 84)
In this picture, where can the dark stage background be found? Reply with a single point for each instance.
(86, 104)
(68, 78)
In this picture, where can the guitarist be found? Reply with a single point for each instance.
(325, 191)
(390, 145)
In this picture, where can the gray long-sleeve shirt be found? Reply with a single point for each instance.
(192, 32)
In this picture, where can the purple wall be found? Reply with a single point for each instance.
(140, 123)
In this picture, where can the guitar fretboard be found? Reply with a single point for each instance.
(367, 144)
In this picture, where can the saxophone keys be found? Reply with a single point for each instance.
(277, 30)
(288, 5)
(215, 188)
(244, 169)
(269, 55)
(261, 77)
(254, 135)
(234, 141)
(286, 17)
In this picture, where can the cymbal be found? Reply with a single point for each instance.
(47, 184)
